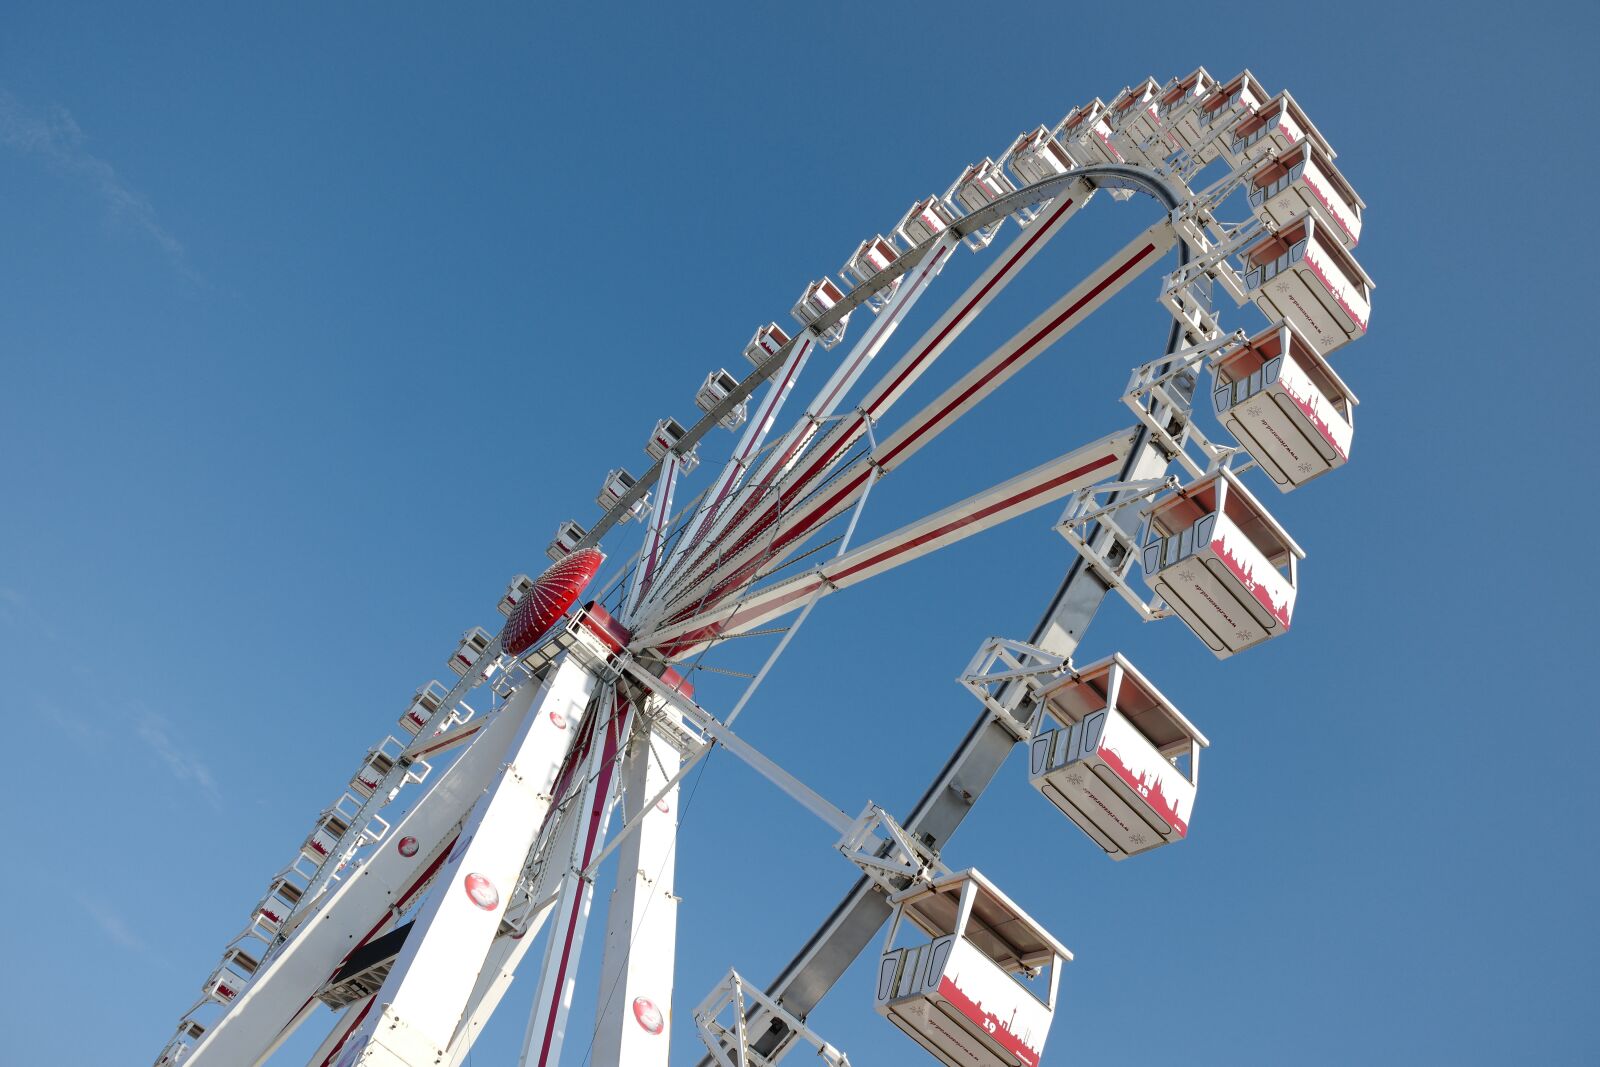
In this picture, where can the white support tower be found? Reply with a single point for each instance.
(586, 807)
(634, 1006)
(424, 997)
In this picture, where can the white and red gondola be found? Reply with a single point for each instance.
(1037, 156)
(281, 898)
(1277, 126)
(1116, 757)
(617, 484)
(1134, 115)
(718, 384)
(1304, 180)
(569, 535)
(1284, 405)
(767, 342)
(1086, 134)
(424, 703)
(469, 650)
(1299, 274)
(926, 219)
(1221, 562)
(964, 993)
(665, 437)
(324, 836)
(816, 301)
(979, 185)
(869, 259)
(1237, 98)
(379, 761)
(1180, 108)
(516, 589)
(226, 983)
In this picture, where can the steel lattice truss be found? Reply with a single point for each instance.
(411, 927)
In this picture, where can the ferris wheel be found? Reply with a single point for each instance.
(475, 832)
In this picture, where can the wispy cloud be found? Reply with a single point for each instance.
(75, 723)
(156, 732)
(89, 723)
(111, 924)
(52, 136)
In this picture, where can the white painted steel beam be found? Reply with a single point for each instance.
(349, 1019)
(652, 554)
(764, 483)
(583, 833)
(791, 529)
(499, 968)
(826, 451)
(752, 757)
(633, 1011)
(364, 906)
(744, 453)
(346, 846)
(1042, 485)
(431, 983)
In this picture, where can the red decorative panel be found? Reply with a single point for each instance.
(556, 590)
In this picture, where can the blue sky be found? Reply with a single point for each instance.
(316, 323)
